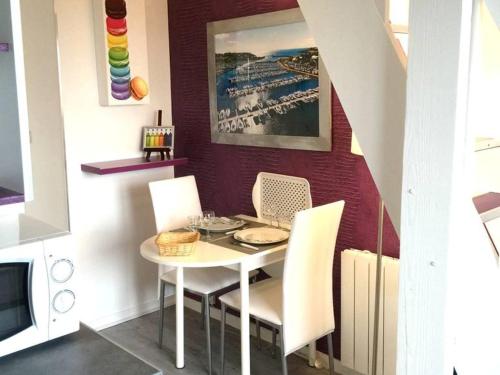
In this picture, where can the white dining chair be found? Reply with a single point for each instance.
(300, 305)
(289, 195)
(173, 201)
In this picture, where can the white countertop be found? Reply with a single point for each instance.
(20, 229)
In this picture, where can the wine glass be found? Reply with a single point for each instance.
(194, 222)
(270, 210)
(207, 219)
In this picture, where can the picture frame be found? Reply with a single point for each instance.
(121, 52)
(158, 139)
(285, 99)
(161, 137)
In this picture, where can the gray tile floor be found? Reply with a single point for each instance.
(81, 353)
(140, 337)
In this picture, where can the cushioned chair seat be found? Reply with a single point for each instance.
(266, 300)
(206, 280)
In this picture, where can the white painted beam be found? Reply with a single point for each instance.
(494, 7)
(370, 82)
(436, 148)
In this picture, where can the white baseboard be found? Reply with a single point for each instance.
(128, 314)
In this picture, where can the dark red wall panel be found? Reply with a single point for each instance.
(225, 174)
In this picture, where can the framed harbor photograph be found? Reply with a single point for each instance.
(267, 84)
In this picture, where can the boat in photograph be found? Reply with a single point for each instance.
(275, 94)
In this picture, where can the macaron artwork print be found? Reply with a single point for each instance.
(121, 52)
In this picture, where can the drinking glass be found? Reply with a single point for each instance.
(270, 210)
(207, 219)
(194, 222)
(282, 220)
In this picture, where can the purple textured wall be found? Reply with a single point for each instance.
(225, 174)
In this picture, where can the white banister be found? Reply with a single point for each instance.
(370, 81)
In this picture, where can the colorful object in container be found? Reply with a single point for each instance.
(122, 85)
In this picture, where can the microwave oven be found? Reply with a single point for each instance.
(37, 293)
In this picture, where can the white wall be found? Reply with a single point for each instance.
(477, 259)
(48, 169)
(487, 178)
(398, 12)
(11, 172)
(494, 7)
(110, 215)
(484, 110)
(383, 8)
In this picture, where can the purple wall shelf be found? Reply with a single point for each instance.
(4, 47)
(127, 165)
(487, 202)
(10, 197)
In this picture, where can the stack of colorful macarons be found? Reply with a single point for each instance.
(122, 86)
(118, 57)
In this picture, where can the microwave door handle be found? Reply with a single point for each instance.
(30, 294)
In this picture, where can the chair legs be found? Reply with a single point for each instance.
(162, 312)
(222, 333)
(203, 311)
(257, 328)
(284, 367)
(330, 353)
(273, 349)
(206, 304)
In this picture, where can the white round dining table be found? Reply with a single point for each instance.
(204, 255)
(209, 254)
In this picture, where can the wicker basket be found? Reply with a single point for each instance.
(176, 243)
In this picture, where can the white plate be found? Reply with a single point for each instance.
(223, 225)
(261, 236)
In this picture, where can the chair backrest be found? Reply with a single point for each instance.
(174, 200)
(290, 194)
(307, 276)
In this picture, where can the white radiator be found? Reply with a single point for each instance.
(357, 312)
